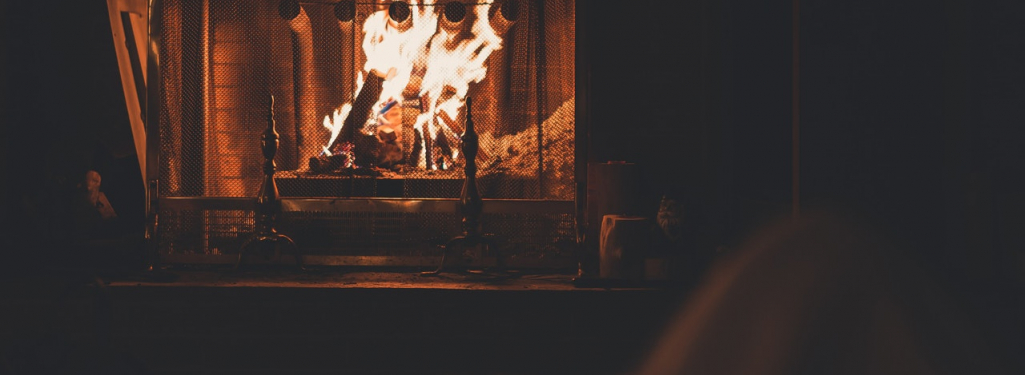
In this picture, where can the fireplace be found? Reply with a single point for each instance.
(370, 109)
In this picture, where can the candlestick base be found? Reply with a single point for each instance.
(463, 242)
(275, 240)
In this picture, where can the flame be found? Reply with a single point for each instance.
(454, 63)
(334, 122)
(448, 58)
(389, 45)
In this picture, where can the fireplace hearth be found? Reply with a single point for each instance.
(370, 111)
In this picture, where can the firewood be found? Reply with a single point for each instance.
(446, 149)
(389, 155)
(390, 152)
(361, 108)
(387, 135)
(414, 154)
(324, 163)
(366, 150)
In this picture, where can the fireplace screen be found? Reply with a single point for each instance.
(370, 106)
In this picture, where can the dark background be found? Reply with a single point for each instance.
(911, 119)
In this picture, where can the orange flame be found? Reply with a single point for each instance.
(448, 58)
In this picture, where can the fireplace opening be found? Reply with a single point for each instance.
(370, 107)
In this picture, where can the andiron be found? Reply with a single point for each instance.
(268, 206)
(470, 204)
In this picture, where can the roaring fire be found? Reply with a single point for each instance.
(426, 53)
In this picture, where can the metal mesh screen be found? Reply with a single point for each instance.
(381, 132)
(529, 236)
(222, 59)
(204, 231)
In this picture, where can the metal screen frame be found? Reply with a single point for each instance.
(156, 203)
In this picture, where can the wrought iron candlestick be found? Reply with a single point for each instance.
(470, 204)
(267, 204)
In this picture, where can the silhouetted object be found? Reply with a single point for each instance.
(96, 198)
(470, 203)
(613, 188)
(93, 215)
(267, 204)
(623, 246)
(674, 245)
(670, 218)
(819, 296)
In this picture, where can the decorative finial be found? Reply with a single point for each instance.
(267, 204)
(469, 115)
(470, 203)
(272, 107)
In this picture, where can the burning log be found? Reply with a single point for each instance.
(353, 148)
(428, 145)
(390, 152)
(446, 150)
(387, 136)
(342, 157)
(361, 108)
(325, 163)
(414, 154)
(444, 124)
(453, 46)
(92, 209)
(366, 150)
